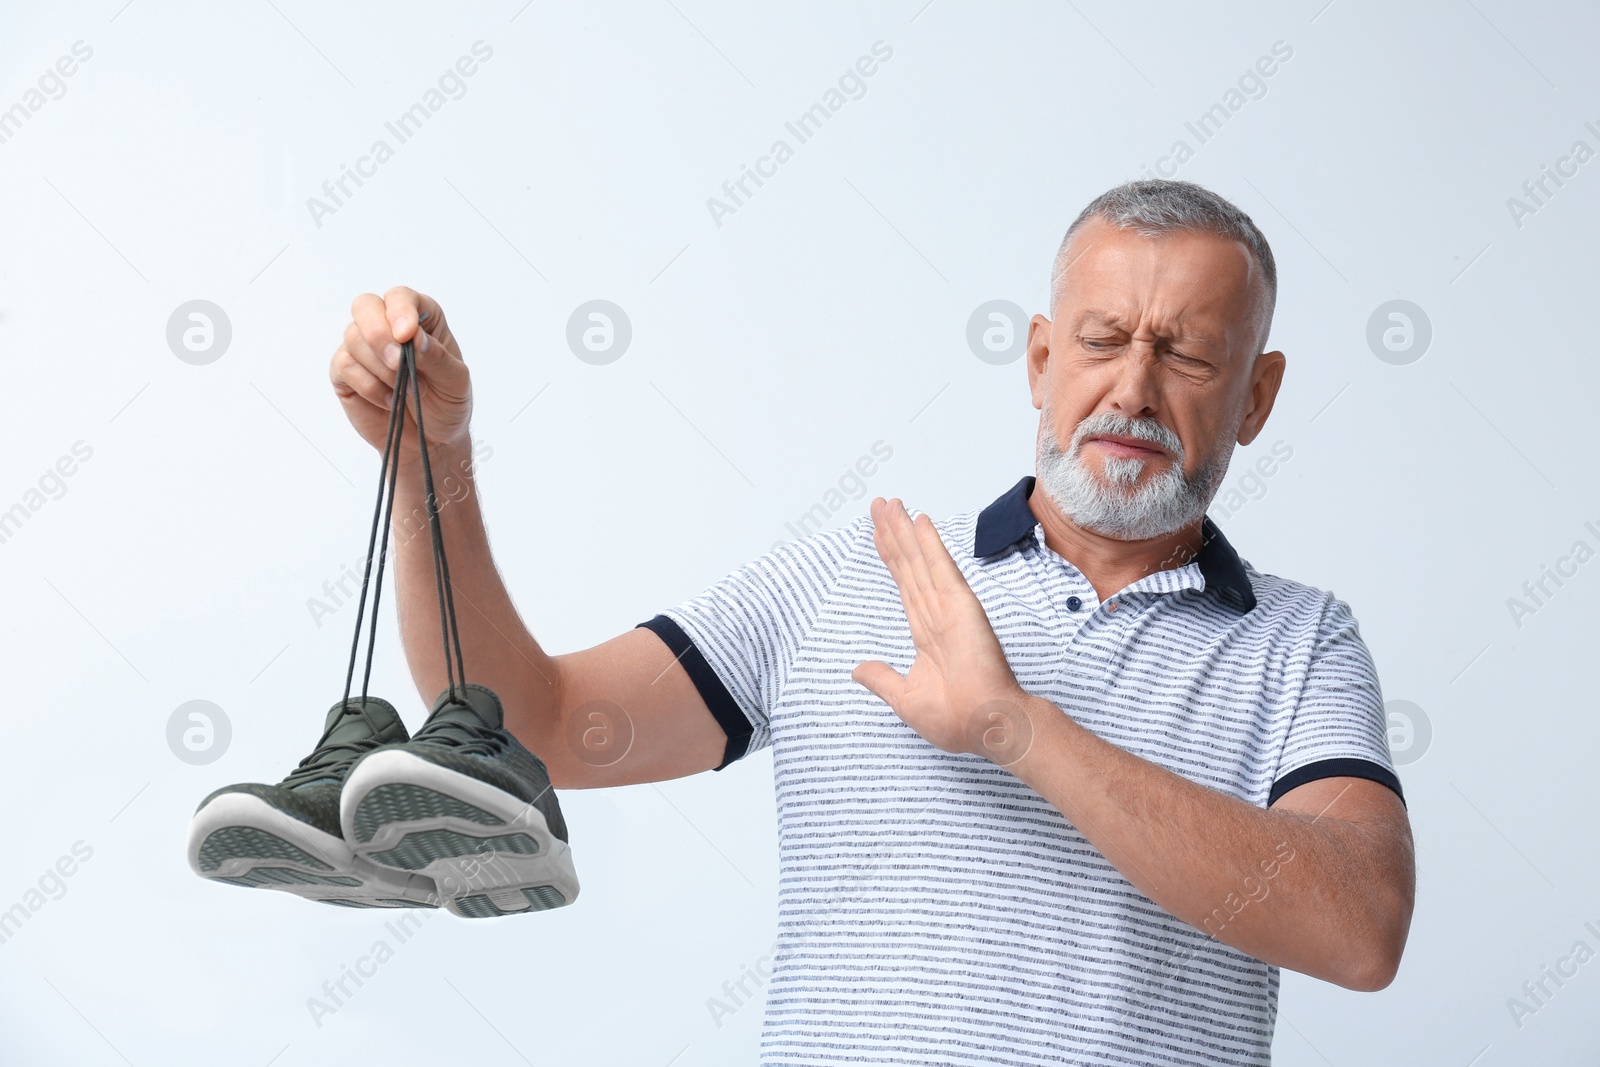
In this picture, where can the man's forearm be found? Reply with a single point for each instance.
(1310, 892)
(497, 647)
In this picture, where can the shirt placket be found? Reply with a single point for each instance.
(1073, 602)
(1093, 631)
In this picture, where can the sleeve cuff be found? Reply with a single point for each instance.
(711, 688)
(1335, 768)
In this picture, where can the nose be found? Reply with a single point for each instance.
(1135, 391)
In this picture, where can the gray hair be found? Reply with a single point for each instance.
(1157, 206)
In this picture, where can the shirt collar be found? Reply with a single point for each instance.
(1009, 519)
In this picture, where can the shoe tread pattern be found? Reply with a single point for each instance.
(403, 802)
(250, 842)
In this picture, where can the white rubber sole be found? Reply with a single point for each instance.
(487, 852)
(240, 839)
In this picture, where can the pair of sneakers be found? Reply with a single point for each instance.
(460, 816)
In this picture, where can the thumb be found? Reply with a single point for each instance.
(438, 367)
(886, 683)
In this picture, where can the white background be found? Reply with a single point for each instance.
(769, 353)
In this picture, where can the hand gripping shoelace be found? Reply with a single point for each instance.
(388, 478)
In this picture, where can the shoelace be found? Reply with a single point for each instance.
(466, 734)
(388, 478)
(326, 757)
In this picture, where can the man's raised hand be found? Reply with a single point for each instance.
(960, 693)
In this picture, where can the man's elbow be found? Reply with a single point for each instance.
(1371, 973)
(1373, 960)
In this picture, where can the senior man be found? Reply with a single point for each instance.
(1059, 780)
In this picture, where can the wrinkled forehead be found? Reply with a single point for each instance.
(1177, 283)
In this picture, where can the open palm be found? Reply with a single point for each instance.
(960, 693)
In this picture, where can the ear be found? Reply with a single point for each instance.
(1265, 377)
(1038, 357)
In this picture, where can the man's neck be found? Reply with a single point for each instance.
(1109, 564)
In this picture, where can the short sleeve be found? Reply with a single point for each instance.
(738, 638)
(1339, 727)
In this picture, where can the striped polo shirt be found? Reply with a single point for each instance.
(932, 908)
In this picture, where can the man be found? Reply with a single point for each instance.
(1063, 779)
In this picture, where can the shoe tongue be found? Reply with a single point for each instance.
(346, 722)
(471, 706)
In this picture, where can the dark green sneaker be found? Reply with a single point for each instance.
(287, 836)
(464, 804)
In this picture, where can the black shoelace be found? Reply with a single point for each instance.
(466, 734)
(388, 478)
(326, 758)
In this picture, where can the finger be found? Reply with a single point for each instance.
(942, 568)
(889, 552)
(351, 379)
(372, 323)
(886, 683)
(890, 548)
(406, 308)
(915, 563)
(440, 372)
(434, 322)
(372, 359)
(885, 533)
(943, 576)
(434, 354)
(911, 548)
(913, 598)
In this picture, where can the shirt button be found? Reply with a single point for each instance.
(1073, 603)
(1111, 605)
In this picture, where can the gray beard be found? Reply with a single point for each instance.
(1166, 503)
